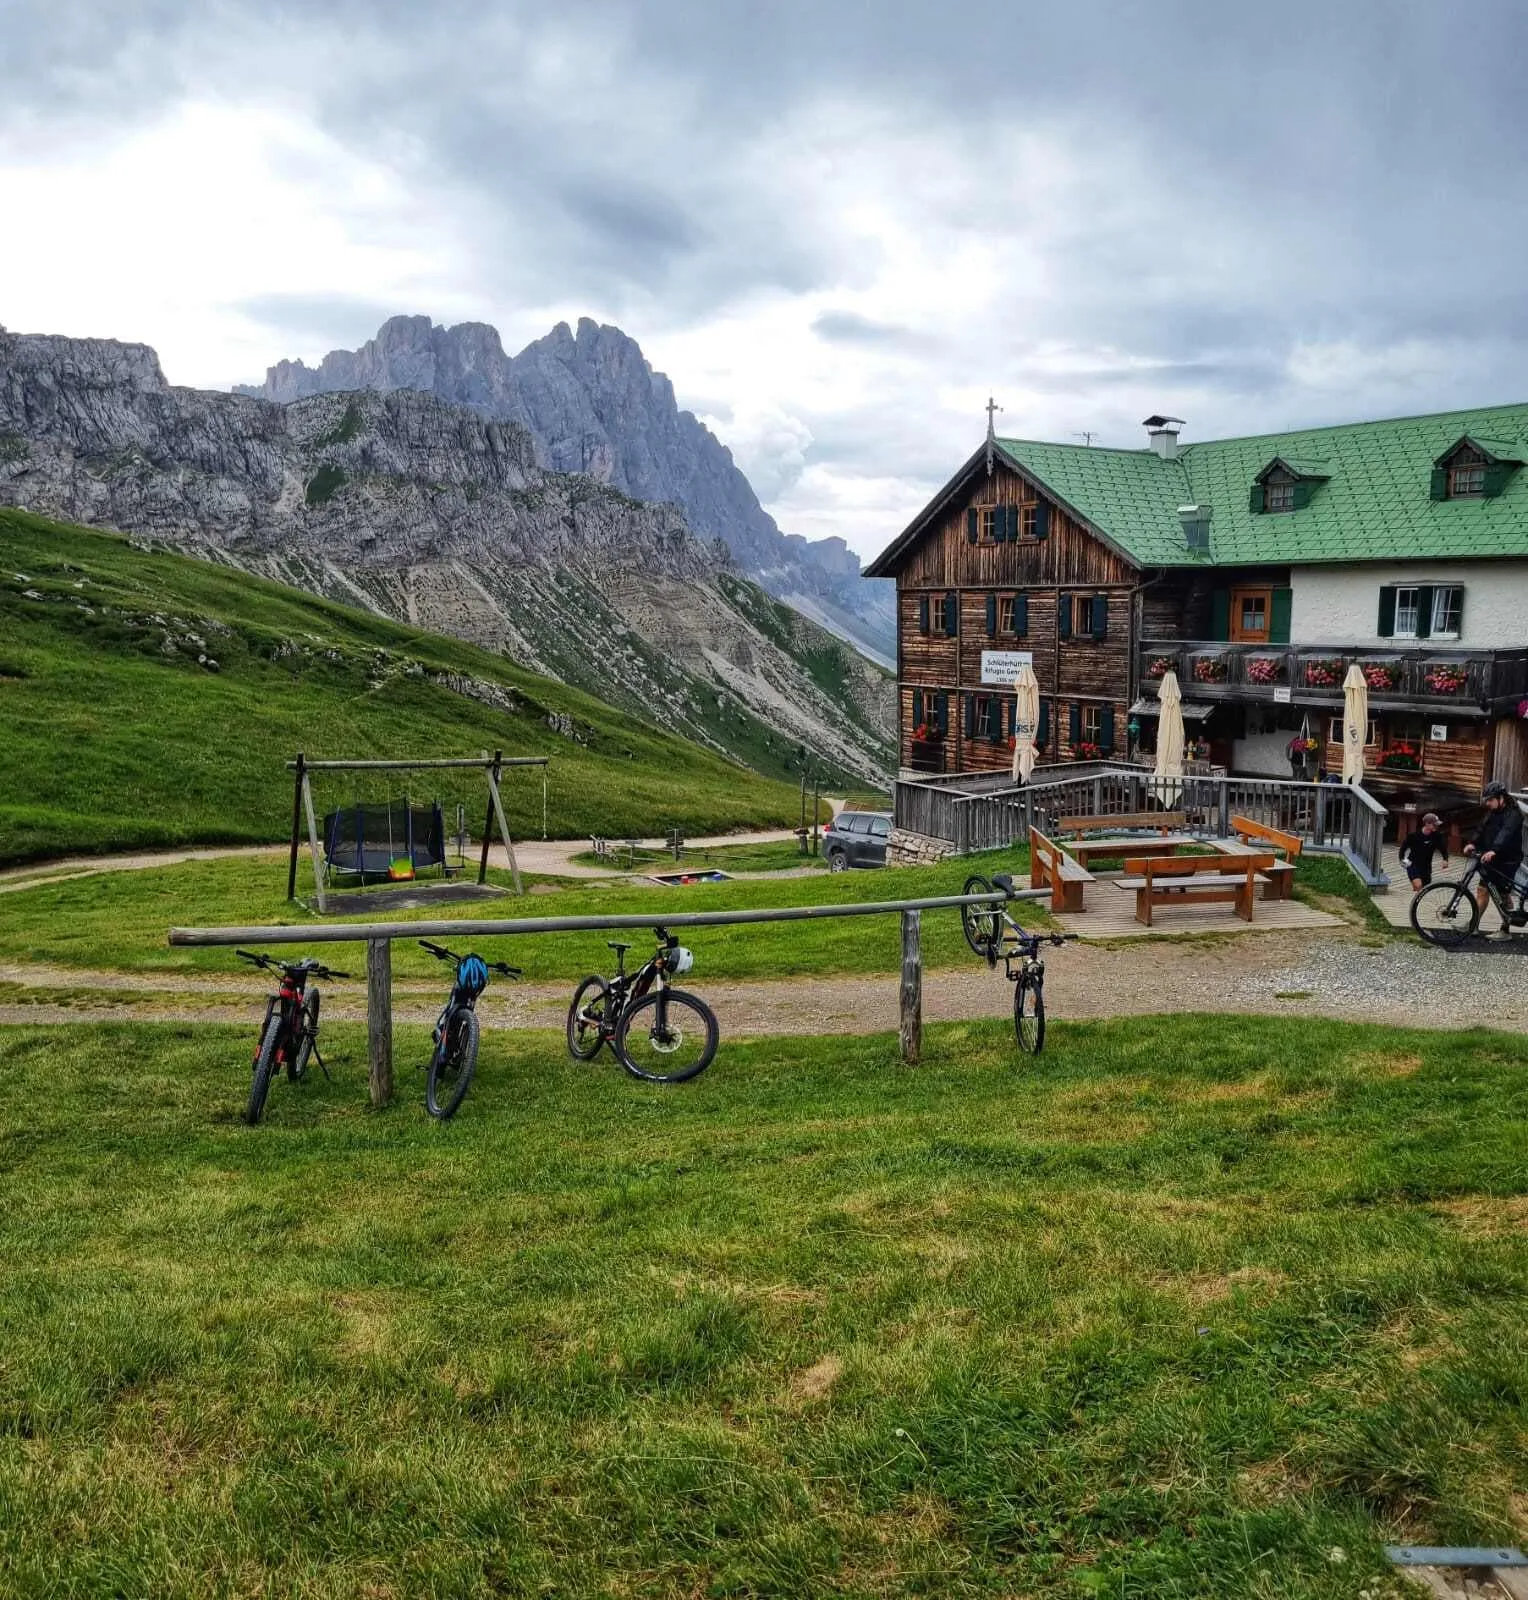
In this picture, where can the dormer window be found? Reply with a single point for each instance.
(1279, 491)
(1474, 468)
(1286, 484)
(1467, 474)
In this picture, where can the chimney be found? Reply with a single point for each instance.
(1163, 434)
(1196, 526)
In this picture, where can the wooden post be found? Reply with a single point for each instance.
(296, 829)
(488, 820)
(911, 995)
(804, 846)
(498, 811)
(379, 1019)
(318, 860)
(816, 810)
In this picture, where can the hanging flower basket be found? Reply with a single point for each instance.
(1447, 677)
(1210, 669)
(1160, 666)
(1265, 669)
(1323, 673)
(1302, 748)
(1381, 674)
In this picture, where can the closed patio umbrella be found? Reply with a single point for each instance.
(1169, 740)
(1355, 724)
(1026, 722)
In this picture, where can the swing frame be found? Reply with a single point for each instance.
(492, 767)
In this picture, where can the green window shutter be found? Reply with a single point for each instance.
(1424, 610)
(1303, 492)
(995, 720)
(1075, 725)
(1042, 733)
(1021, 614)
(1460, 592)
(1220, 614)
(942, 711)
(1042, 519)
(973, 526)
(917, 708)
(992, 616)
(1106, 729)
(1387, 611)
(1063, 616)
(1012, 531)
(1279, 616)
(1005, 520)
(1496, 479)
(951, 614)
(1100, 618)
(1255, 500)
(1439, 484)
(970, 716)
(922, 613)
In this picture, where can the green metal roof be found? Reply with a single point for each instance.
(1375, 505)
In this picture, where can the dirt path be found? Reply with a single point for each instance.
(1329, 974)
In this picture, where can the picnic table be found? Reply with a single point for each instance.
(1122, 845)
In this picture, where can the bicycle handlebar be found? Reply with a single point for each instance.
(440, 953)
(313, 968)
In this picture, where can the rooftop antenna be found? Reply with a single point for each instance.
(1086, 437)
(992, 409)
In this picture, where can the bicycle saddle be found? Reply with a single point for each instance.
(1003, 881)
(617, 946)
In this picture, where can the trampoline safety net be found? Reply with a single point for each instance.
(368, 840)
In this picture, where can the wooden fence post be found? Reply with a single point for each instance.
(912, 987)
(379, 1019)
(296, 829)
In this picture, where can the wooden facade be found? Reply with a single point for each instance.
(1007, 587)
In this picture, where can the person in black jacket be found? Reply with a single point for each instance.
(1420, 846)
(1498, 846)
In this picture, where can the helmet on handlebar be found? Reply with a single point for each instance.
(678, 960)
(472, 975)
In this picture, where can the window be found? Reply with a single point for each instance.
(1467, 474)
(1279, 491)
(1084, 616)
(940, 612)
(1005, 622)
(1028, 516)
(1335, 734)
(986, 717)
(988, 522)
(1092, 724)
(1447, 611)
(880, 827)
(1251, 617)
(1406, 613)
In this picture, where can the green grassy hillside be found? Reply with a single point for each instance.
(148, 699)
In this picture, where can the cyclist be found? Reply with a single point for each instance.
(1499, 848)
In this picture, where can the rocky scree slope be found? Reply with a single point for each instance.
(435, 515)
(595, 406)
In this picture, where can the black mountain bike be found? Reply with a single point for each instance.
(454, 1058)
(1446, 913)
(289, 1033)
(658, 1032)
(991, 933)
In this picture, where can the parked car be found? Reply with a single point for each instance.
(856, 839)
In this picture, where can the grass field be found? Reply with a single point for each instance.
(778, 855)
(1182, 1309)
(118, 921)
(116, 736)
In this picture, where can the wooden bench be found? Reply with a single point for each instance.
(1161, 821)
(1281, 878)
(1194, 880)
(1050, 867)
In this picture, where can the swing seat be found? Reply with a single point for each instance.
(400, 871)
(386, 843)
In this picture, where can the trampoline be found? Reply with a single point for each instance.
(393, 840)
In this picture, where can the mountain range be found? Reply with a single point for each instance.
(434, 514)
(594, 406)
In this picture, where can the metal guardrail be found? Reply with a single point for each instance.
(378, 938)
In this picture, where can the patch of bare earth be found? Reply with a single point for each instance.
(816, 1381)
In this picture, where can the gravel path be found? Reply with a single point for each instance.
(1298, 974)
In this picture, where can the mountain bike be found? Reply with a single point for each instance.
(454, 1058)
(657, 1032)
(289, 1032)
(1446, 913)
(991, 932)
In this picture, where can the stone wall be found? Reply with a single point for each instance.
(908, 849)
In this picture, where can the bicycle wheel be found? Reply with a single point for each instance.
(265, 1065)
(588, 1018)
(1029, 1015)
(667, 1036)
(297, 1067)
(452, 1066)
(1444, 913)
(980, 926)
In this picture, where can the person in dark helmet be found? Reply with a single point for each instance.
(1420, 846)
(1498, 847)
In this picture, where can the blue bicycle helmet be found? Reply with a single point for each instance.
(472, 975)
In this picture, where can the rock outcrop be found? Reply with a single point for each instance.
(439, 515)
(595, 406)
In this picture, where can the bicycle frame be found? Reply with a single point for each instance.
(626, 988)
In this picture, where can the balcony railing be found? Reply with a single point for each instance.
(1433, 676)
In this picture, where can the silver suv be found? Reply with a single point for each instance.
(856, 839)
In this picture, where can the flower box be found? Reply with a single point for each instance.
(1381, 675)
(1402, 757)
(1210, 669)
(1265, 669)
(1086, 752)
(1323, 673)
(1160, 666)
(1446, 677)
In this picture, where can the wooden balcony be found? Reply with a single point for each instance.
(1410, 677)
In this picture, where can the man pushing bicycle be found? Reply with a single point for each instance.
(1498, 846)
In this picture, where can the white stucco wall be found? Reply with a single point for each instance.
(1340, 604)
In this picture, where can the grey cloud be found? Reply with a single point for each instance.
(849, 327)
(339, 321)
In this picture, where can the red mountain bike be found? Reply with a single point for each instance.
(289, 1033)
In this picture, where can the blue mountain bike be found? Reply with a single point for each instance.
(454, 1058)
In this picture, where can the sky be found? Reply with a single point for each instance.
(838, 225)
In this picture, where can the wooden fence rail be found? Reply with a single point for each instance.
(378, 938)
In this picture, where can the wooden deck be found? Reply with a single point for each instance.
(1111, 915)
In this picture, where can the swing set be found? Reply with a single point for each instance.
(392, 841)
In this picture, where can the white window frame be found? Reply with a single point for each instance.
(1409, 630)
(1443, 593)
(1337, 732)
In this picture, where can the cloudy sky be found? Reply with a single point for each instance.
(837, 224)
